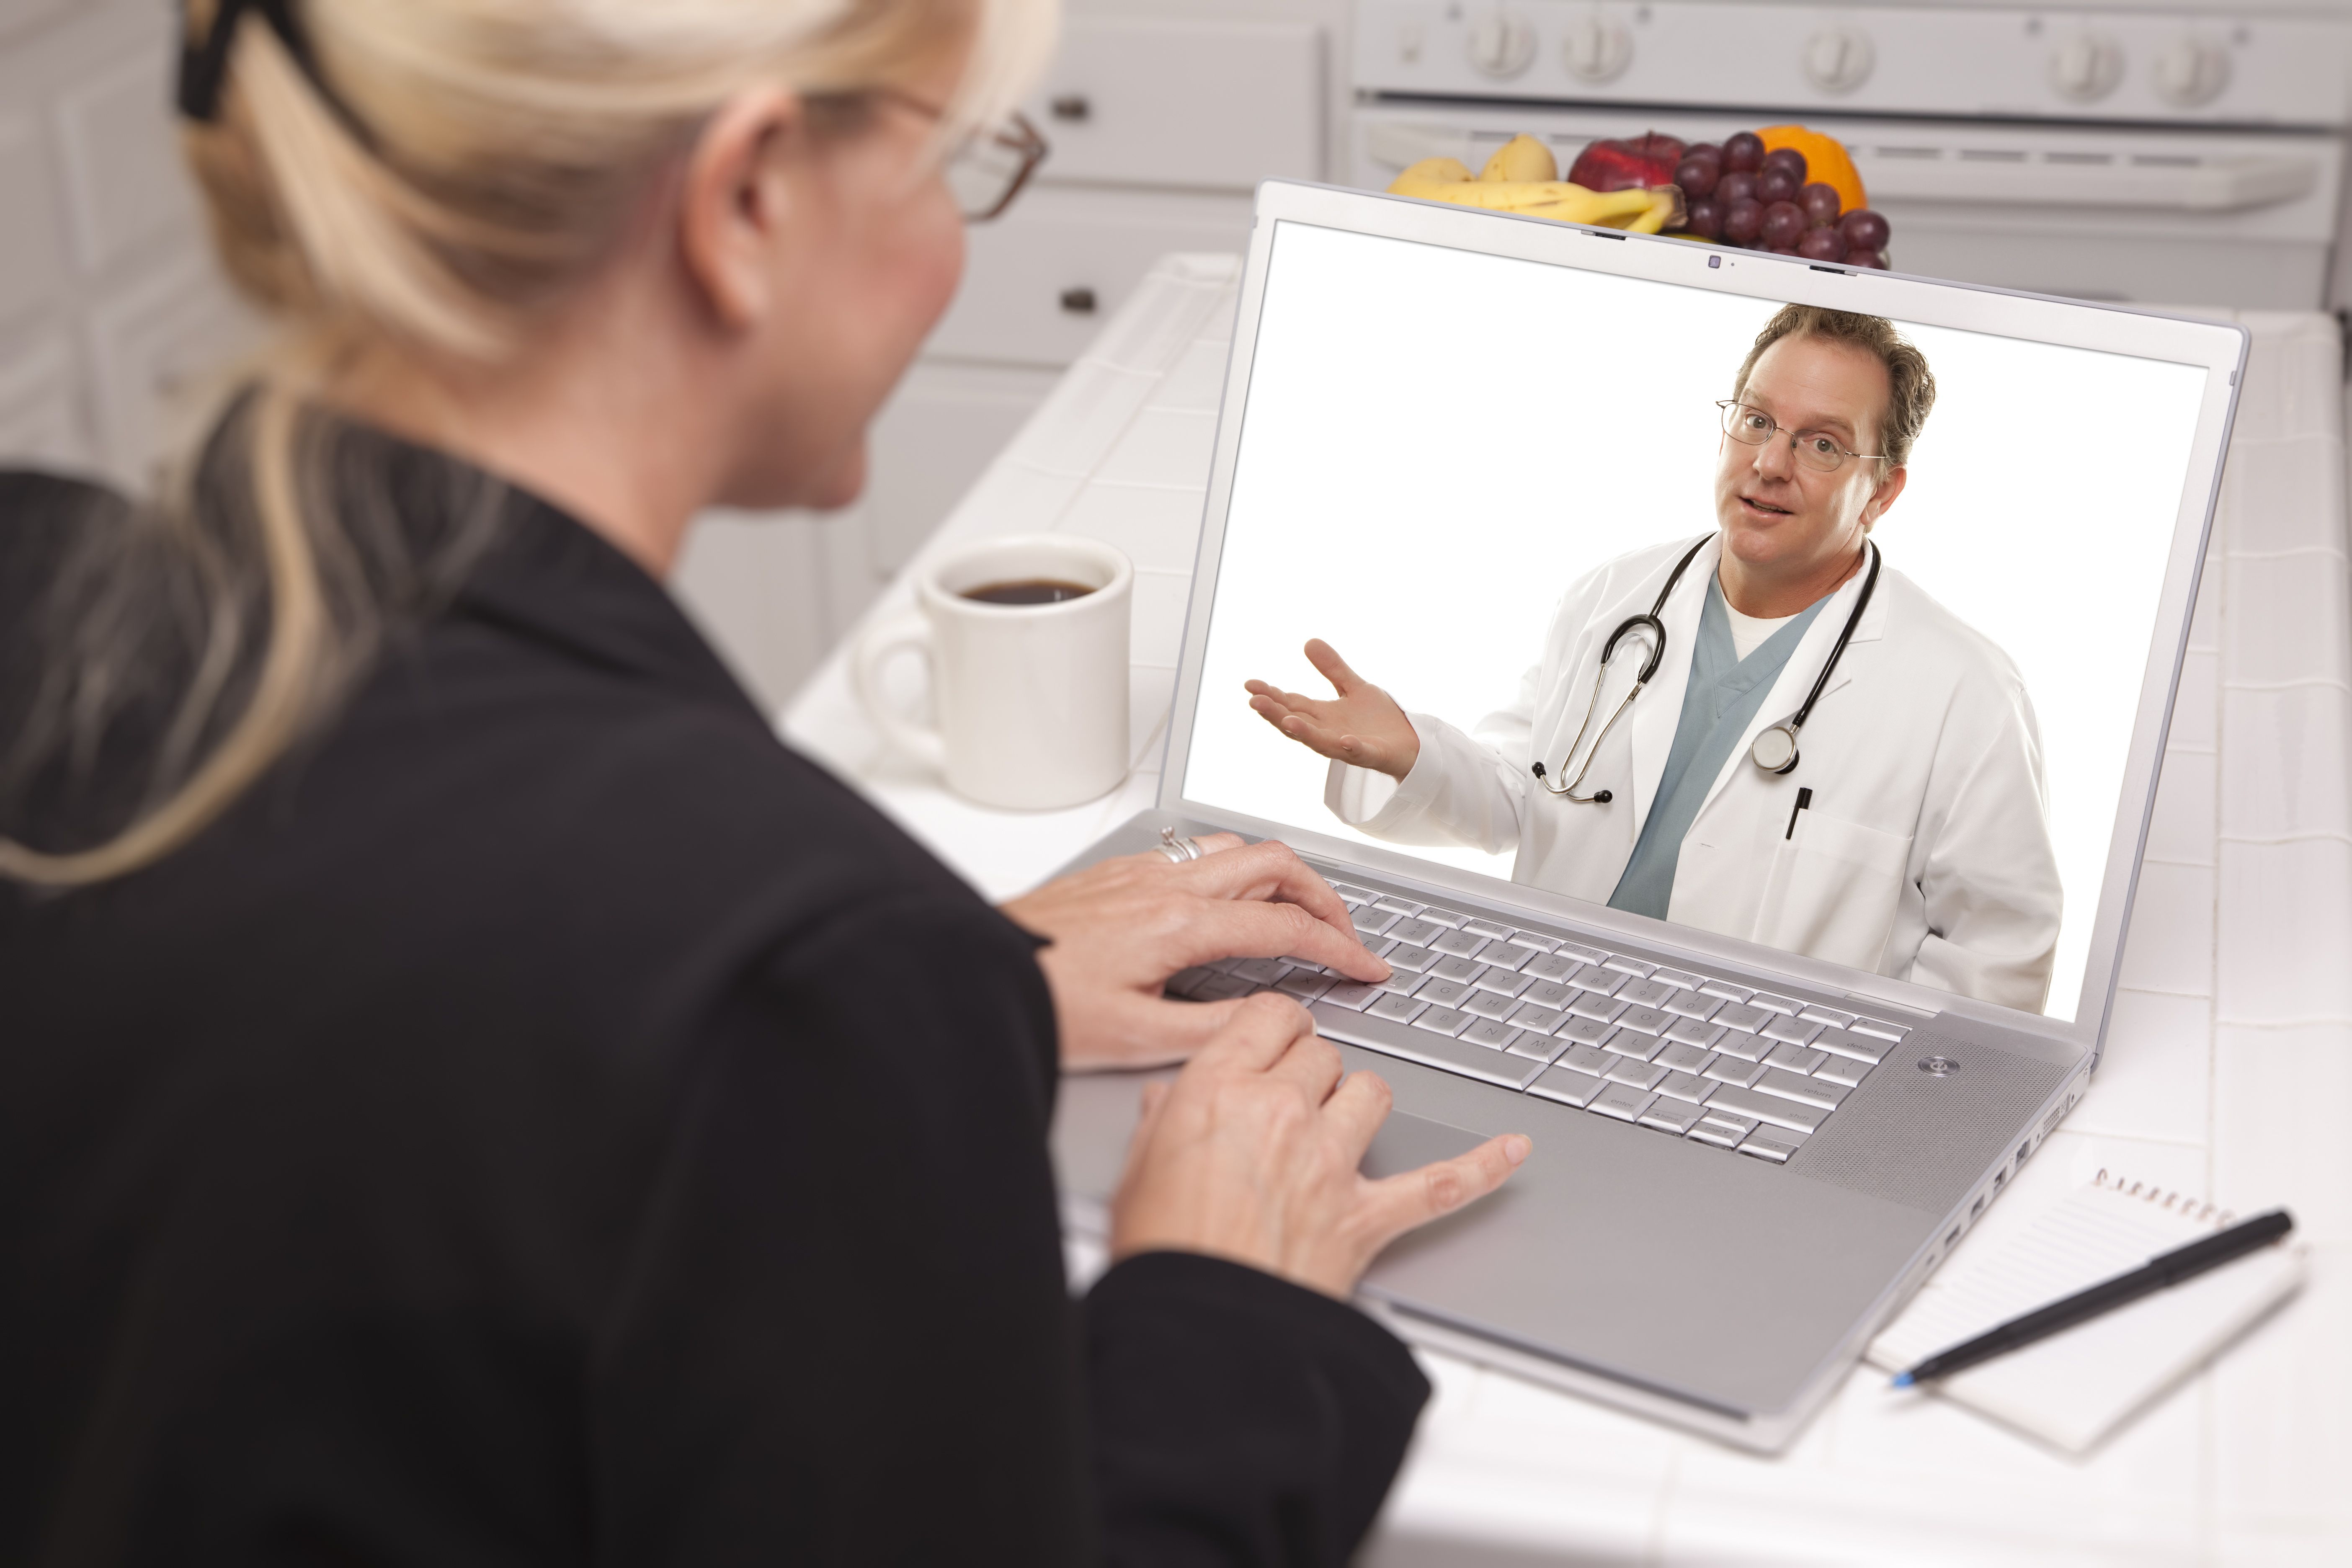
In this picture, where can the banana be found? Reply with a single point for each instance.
(1430, 172)
(1665, 207)
(1521, 159)
(1448, 180)
(1509, 195)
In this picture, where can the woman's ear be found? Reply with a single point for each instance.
(734, 201)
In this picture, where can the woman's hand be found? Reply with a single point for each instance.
(1120, 927)
(1252, 1155)
(1362, 726)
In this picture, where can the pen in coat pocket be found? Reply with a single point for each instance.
(1804, 799)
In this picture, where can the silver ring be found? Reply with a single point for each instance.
(1178, 850)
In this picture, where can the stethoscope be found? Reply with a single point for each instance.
(1775, 750)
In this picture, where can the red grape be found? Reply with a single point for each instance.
(1704, 217)
(1775, 185)
(1787, 158)
(1867, 259)
(1820, 204)
(1743, 153)
(1704, 150)
(1743, 220)
(1864, 229)
(1821, 245)
(1697, 176)
(1784, 224)
(1737, 186)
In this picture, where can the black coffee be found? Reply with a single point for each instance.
(1028, 591)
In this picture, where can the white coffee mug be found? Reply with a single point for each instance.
(1030, 699)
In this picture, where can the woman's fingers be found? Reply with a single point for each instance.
(1268, 869)
(1356, 1111)
(1141, 1031)
(1260, 1030)
(1312, 1063)
(1248, 930)
(1400, 1203)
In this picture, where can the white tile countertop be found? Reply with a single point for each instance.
(2228, 1072)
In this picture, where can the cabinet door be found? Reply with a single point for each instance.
(1207, 104)
(164, 352)
(756, 583)
(939, 434)
(40, 408)
(1042, 281)
(33, 263)
(123, 159)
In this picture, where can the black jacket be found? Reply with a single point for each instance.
(550, 1121)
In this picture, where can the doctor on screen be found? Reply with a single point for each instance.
(1766, 730)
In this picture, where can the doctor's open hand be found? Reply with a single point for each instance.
(1252, 1155)
(1363, 725)
(1119, 928)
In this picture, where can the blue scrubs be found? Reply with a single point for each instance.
(1724, 694)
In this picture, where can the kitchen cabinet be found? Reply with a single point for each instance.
(1163, 115)
(115, 324)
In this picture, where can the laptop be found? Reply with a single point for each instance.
(1461, 447)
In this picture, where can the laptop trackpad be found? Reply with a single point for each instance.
(1406, 1142)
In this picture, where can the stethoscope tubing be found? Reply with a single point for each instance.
(1657, 650)
(1652, 623)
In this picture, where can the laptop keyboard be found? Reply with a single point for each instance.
(1683, 1052)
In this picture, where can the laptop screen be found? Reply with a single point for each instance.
(1460, 475)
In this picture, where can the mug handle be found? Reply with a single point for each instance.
(882, 643)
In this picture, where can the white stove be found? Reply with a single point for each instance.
(2176, 157)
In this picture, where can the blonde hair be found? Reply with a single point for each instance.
(434, 176)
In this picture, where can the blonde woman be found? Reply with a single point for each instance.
(471, 1095)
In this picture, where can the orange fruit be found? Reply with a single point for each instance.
(1825, 160)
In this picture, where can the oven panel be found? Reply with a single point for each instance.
(1796, 61)
(2245, 219)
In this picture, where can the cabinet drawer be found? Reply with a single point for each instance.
(1133, 101)
(1041, 282)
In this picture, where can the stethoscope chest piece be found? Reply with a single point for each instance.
(1775, 750)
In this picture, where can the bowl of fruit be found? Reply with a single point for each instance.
(1785, 189)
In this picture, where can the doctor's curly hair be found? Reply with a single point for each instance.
(1912, 385)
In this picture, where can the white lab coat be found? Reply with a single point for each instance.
(1923, 855)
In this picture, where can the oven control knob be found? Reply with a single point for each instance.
(1598, 48)
(2191, 73)
(2085, 68)
(1502, 44)
(1838, 58)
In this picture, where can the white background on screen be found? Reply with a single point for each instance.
(1438, 443)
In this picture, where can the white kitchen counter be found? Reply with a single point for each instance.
(2227, 1074)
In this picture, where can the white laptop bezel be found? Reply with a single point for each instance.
(2219, 348)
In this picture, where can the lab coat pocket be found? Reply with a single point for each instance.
(1833, 890)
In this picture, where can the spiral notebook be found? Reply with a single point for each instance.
(2075, 1388)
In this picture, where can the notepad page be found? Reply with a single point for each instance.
(2073, 1388)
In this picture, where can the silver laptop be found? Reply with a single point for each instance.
(1773, 1069)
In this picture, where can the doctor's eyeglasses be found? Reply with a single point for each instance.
(987, 168)
(1818, 451)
